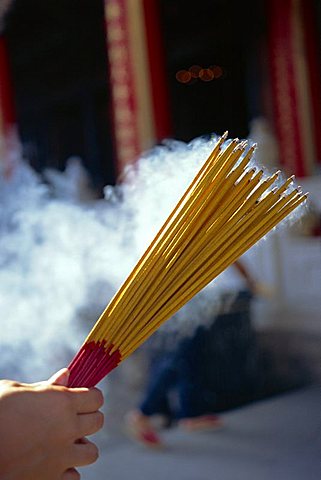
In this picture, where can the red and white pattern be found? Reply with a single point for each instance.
(137, 79)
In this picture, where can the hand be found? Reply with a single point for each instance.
(43, 428)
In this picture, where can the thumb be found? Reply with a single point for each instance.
(60, 378)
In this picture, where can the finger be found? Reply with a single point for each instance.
(87, 401)
(71, 474)
(60, 378)
(90, 423)
(84, 453)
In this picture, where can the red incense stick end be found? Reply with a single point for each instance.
(92, 363)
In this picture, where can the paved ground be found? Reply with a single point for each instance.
(276, 439)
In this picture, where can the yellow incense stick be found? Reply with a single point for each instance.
(225, 210)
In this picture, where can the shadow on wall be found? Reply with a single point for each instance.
(289, 359)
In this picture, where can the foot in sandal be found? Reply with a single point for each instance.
(140, 429)
(203, 422)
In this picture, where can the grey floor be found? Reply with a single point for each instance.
(275, 439)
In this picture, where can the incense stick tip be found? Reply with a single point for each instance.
(241, 146)
(225, 135)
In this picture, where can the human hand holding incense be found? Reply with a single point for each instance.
(43, 428)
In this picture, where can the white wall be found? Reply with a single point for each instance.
(290, 263)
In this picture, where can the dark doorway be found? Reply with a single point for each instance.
(58, 60)
(223, 36)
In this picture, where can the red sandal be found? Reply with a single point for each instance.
(139, 428)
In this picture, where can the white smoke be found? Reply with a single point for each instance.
(61, 260)
(52, 253)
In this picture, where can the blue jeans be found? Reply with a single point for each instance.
(214, 363)
(181, 370)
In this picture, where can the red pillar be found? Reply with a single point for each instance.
(7, 113)
(292, 66)
(156, 58)
(311, 38)
(137, 78)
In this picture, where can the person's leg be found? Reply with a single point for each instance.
(163, 376)
(196, 400)
(190, 361)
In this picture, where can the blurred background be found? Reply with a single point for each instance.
(86, 88)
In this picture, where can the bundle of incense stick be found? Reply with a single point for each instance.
(226, 209)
